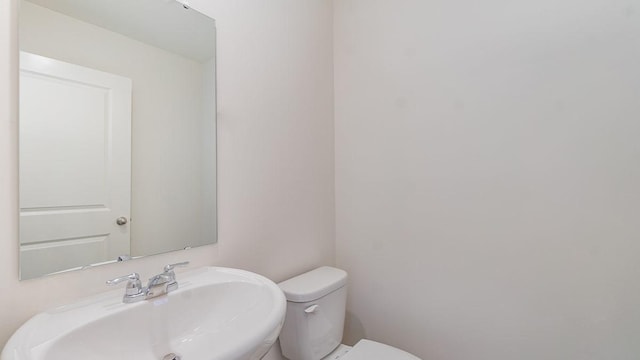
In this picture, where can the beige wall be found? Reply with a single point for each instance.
(275, 153)
(488, 176)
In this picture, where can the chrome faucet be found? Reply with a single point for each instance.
(133, 291)
(164, 282)
(158, 285)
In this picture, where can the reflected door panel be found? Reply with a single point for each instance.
(75, 165)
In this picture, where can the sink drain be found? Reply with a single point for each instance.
(171, 356)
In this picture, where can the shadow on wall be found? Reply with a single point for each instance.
(353, 329)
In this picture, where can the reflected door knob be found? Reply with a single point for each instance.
(122, 221)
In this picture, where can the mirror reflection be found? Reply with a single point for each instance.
(117, 131)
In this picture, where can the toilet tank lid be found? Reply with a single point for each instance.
(314, 284)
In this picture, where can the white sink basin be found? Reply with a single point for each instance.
(216, 314)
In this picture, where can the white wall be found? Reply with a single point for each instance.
(275, 153)
(487, 176)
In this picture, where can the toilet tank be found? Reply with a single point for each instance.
(314, 322)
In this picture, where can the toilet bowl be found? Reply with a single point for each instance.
(314, 322)
(369, 350)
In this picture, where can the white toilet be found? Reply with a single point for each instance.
(314, 323)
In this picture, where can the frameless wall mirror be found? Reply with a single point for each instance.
(117, 131)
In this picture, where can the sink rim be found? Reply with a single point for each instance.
(40, 330)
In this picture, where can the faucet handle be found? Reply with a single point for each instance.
(170, 267)
(134, 285)
(118, 280)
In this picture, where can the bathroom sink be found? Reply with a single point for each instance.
(216, 314)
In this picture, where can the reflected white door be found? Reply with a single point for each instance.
(75, 165)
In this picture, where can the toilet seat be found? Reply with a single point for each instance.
(339, 353)
(371, 350)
